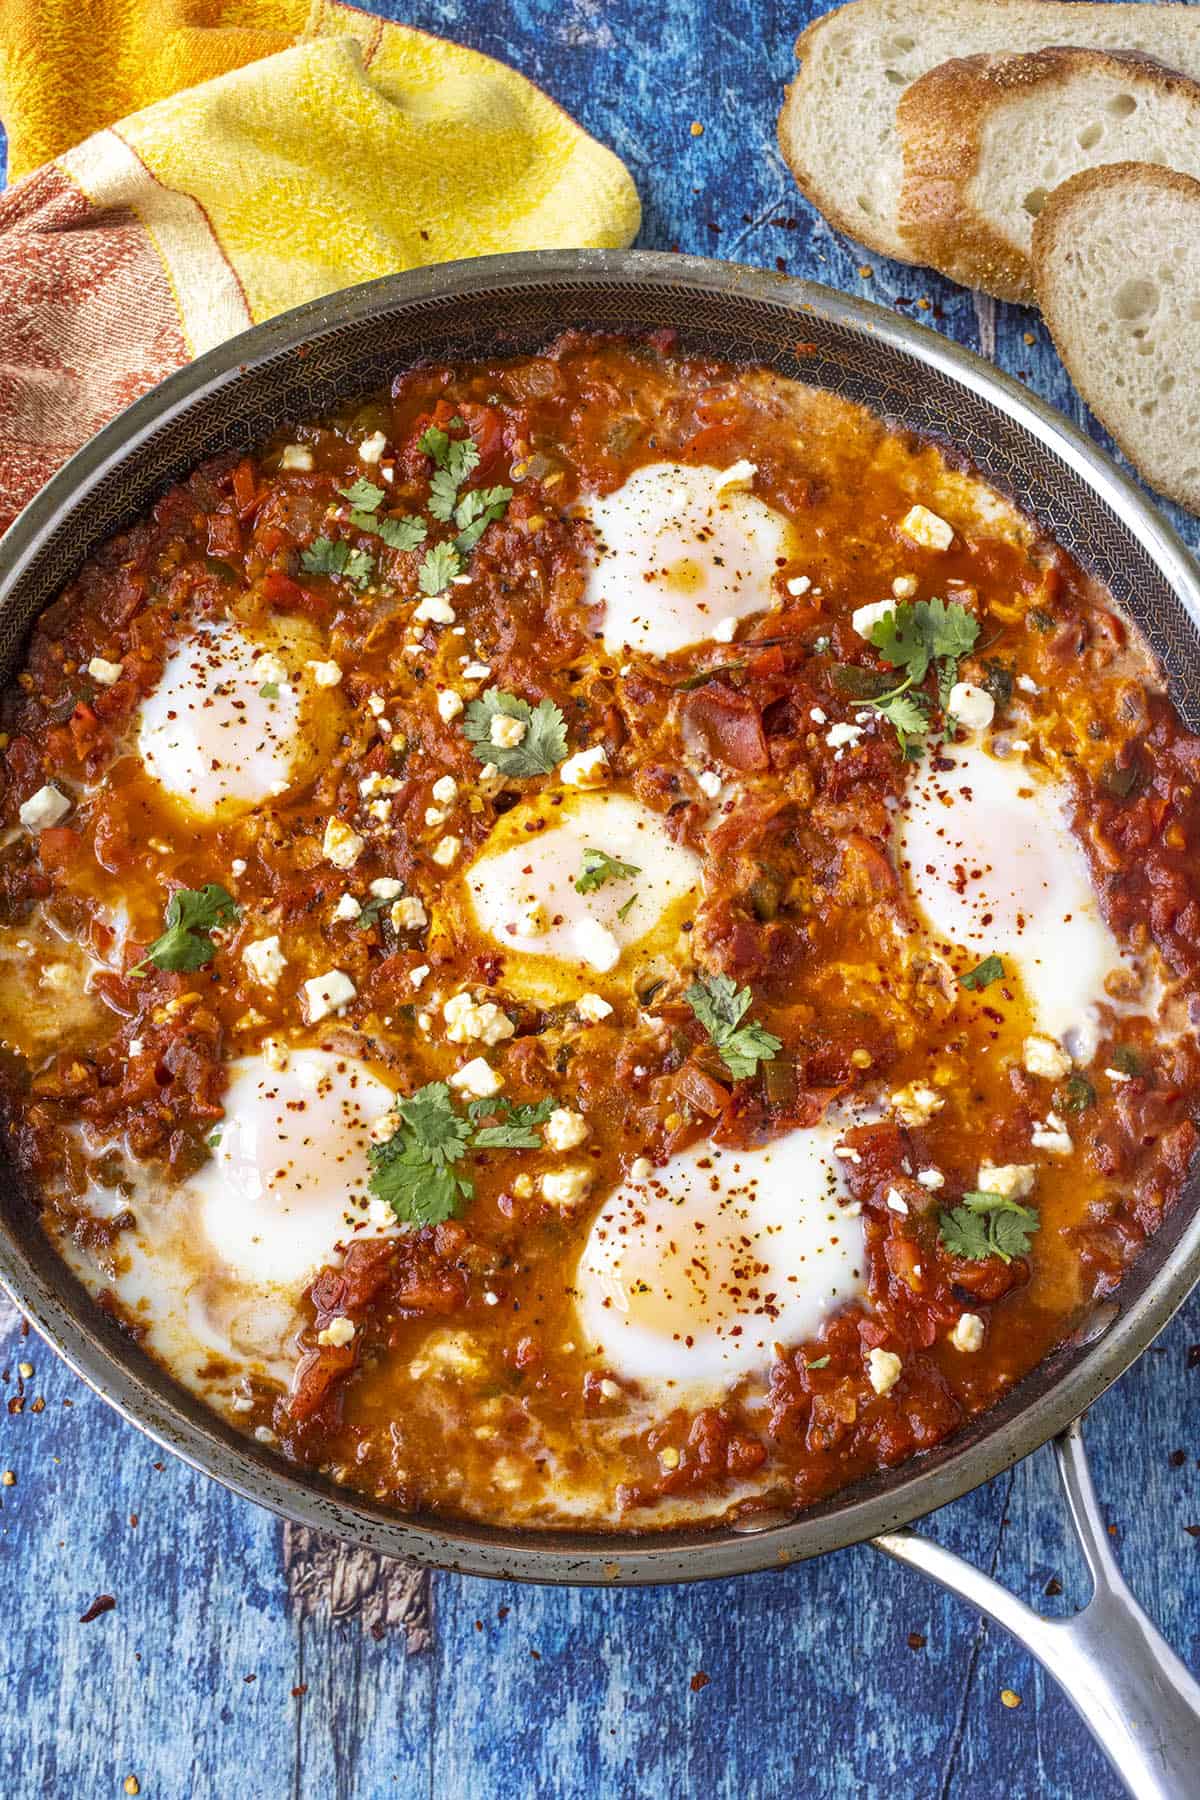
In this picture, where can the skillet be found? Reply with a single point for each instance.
(1132, 1691)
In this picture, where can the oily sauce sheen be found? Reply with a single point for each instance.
(693, 1282)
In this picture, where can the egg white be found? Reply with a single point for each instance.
(692, 1276)
(522, 894)
(221, 732)
(993, 868)
(677, 554)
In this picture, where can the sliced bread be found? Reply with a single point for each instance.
(1116, 261)
(837, 129)
(985, 139)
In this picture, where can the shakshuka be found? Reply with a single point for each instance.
(599, 938)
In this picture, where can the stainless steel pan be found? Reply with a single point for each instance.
(1136, 1696)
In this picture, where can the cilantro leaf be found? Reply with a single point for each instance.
(269, 690)
(1076, 1094)
(987, 1224)
(516, 1129)
(434, 442)
(478, 509)
(820, 1362)
(190, 917)
(624, 911)
(443, 492)
(983, 974)
(914, 635)
(414, 1171)
(363, 495)
(543, 746)
(720, 1007)
(398, 534)
(599, 867)
(437, 571)
(333, 556)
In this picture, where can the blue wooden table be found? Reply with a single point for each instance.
(242, 1658)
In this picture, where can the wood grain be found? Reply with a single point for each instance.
(243, 1658)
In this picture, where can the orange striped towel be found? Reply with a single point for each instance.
(321, 148)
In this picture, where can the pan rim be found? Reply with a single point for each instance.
(1047, 1400)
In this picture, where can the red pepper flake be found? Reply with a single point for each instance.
(699, 1680)
(249, 1678)
(1053, 1587)
(299, 1692)
(917, 1640)
(1177, 1458)
(536, 1655)
(1192, 1530)
(101, 1604)
(1193, 1356)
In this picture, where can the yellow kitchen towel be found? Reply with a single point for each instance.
(321, 147)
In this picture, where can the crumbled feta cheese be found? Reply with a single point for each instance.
(968, 1332)
(838, 736)
(136, 1046)
(1052, 1136)
(641, 1169)
(445, 790)
(446, 850)
(972, 707)
(709, 782)
(591, 1008)
(478, 1079)
(586, 769)
(916, 1103)
(738, 475)
(1117, 1075)
(467, 1020)
(847, 1153)
(506, 732)
(338, 1333)
(435, 815)
(725, 630)
(489, 778)
(326, 674)
(565, 1130)
(341, 846)
(269, 669)
(275, 1054)
(265, 961)
(238, 866)
(1044, 1056)
(417, 975)
(532, 920)
(925, 528)
(1012, 1181)
(931, 1178)
(449, 705)
(609, 1389)
(883, 1370)
(435, 610)
(105, 672)
(563, 1187)
(373, 447)
(1028, 685)
(896, 1202)
(347, 907)
(296, 456)
(44, 809)
(818, 715)
(905, 586)
(799, 584)
(596, 945)
(380, 811)
(865, 618)
(386, 887)
(476, 671)
(327, 994)
(408, 914)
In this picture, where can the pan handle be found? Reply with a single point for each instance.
(1135, 1696)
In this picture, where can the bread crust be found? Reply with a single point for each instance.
(1057, 225)
(824, 186)
(941, 118)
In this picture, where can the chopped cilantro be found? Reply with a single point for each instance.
(269, 690)
(515, 1127)
(540, 750)
(191, 915)
(912, 636)
(333, 556)
(455, 458)
(819, 1362)
(599, 867)
(1075, 1095)
(624, 910)
(213, 1139)
(907, 714)
(478, 508)
(998, 680)
(363, 495)
(983, 974)
(441, 564)
(369, 912)
(1125, 1060)
(720, 1007)
(986, 1224)
(443, 493)
(406, 533)
(416, 1171)
(1041, 621)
